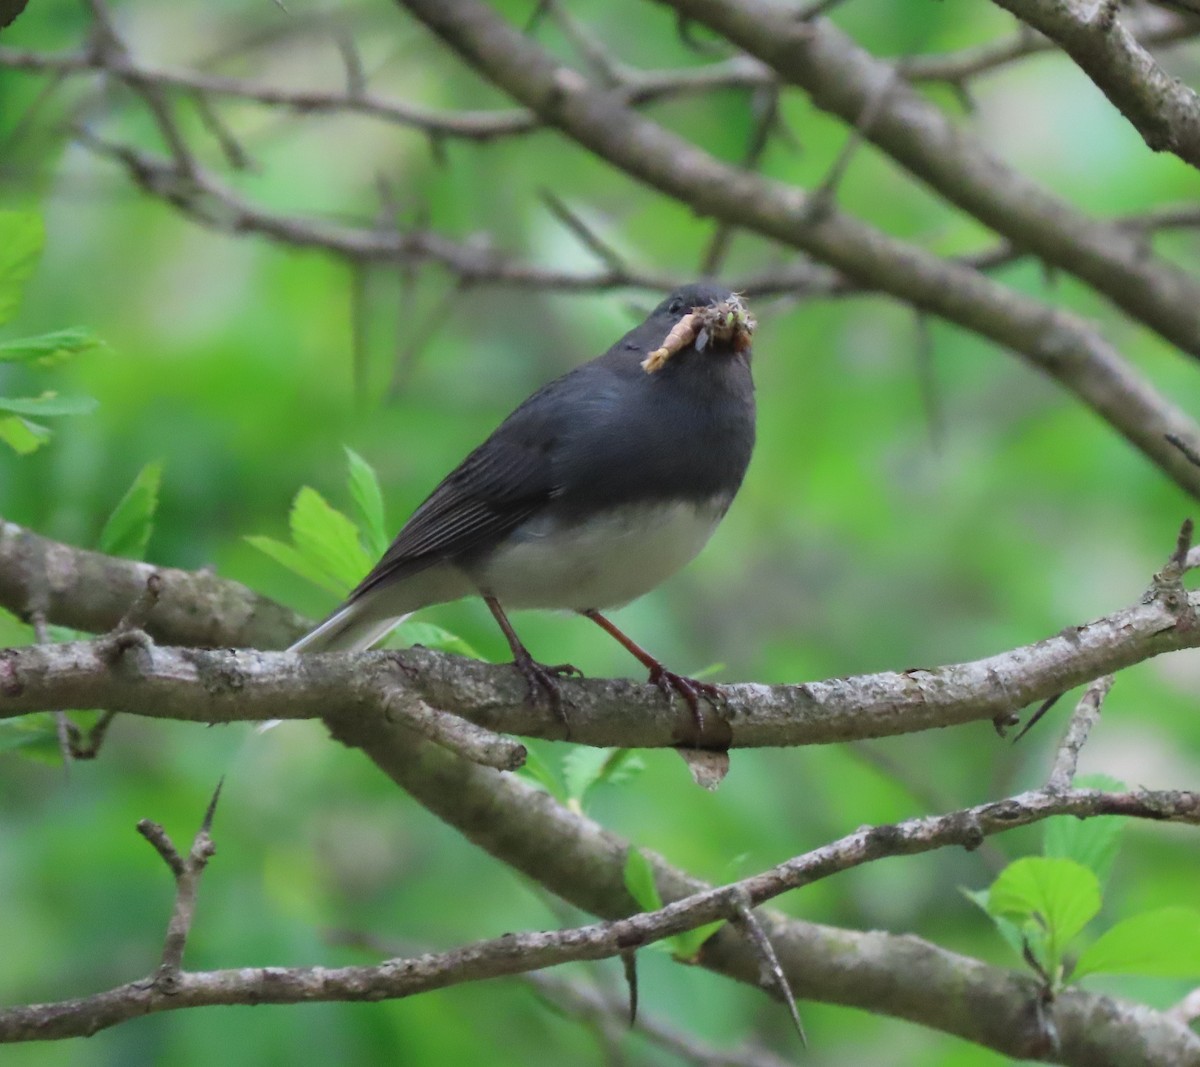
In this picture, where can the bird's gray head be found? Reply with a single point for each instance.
(703, 316)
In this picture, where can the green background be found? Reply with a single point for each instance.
(869, 534)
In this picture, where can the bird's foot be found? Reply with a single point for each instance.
(541, 680)
(690, 689)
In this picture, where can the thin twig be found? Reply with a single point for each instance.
(173, 989)
(1085, 716)
(459, 735)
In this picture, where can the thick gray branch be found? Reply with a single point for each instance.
(225, 685)
(90, 591)
(1161, 108)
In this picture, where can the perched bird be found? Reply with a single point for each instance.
(596, 489)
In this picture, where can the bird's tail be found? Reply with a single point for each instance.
(348, 629)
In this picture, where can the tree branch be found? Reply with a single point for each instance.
(1161, 108)
(843, 78)
(518, 953)
(1150, 26)
(574, 857)
(226, 685)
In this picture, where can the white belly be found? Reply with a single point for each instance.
(601, 564)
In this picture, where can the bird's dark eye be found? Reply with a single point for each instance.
(675, 306)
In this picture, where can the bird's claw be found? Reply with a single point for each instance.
(690, 689)
(542, 679)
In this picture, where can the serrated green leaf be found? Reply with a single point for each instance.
(686, 946)
(49, 348)
(368, 504)
(21, 435)
(1006, 927)
(414, 632)
(639, 880)
(288, 556)
(328, 539)
(21, 238)
(48, 404)
(1059, 896)
(1164, 943)
(538, 771)
(127, 531)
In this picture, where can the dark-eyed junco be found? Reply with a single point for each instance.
(597, 488)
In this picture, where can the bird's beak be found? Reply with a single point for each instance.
(726, 321)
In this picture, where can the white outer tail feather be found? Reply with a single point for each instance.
(342, 632)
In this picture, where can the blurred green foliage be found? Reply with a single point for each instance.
(870, 534)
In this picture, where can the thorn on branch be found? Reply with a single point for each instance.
(1046, 705)
(1190, 452)
(742, 916)
(629, 963)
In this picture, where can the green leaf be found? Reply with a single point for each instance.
(127, 531)
(21, 435)
(1008, 929)
(21, 238)
(289, 557)
(49, 348)
(414, 632)
(1164, 943)
(1092, 842)
(687, 945)
(368, 504)
(328, 540)
(48, 404)
(585, 767)
(31, 736)
(582, 768)
(639, 880)
(538, 771)
(1058, 895)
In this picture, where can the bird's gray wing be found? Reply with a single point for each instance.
(496, 488)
